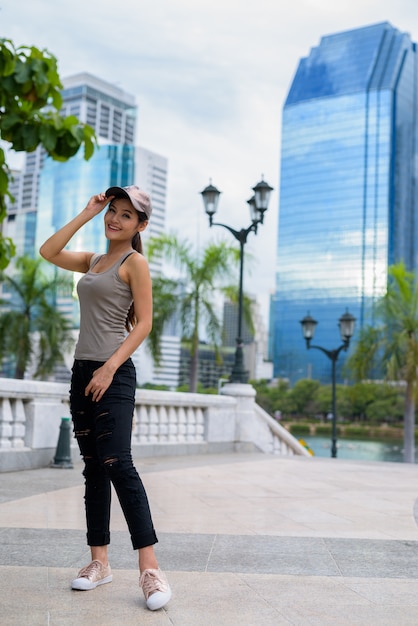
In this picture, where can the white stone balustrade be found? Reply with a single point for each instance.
(165, 422)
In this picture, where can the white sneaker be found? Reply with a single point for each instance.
(156, 589)
(91, 576)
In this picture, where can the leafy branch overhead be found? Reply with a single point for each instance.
(30, 101)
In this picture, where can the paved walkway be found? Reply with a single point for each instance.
(246, 540)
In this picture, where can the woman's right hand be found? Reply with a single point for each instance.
(96, 204)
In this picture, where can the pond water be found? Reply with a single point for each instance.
(358, 449)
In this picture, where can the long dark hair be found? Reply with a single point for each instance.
(136, 243)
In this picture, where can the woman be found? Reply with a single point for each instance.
(115, 296)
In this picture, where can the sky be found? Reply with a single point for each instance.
(210, 78)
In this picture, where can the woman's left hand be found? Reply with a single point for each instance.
(99, 383)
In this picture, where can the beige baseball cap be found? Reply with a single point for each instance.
(138, 198)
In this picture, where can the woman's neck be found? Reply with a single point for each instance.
(117, 249)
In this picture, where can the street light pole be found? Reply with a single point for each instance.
(346, 324)
(258, 206)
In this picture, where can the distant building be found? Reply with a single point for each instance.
(211, 371)
(167, 373)
(255, 343)
(348, 193)
(230, 326)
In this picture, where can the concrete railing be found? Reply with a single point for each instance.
(164, 423)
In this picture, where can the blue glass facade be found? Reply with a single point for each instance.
(64, 190)
(348, 194)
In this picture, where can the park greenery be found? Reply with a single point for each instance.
(32, 329)
(390, 345)
(30, 101)
(386, 350)
(370, 403)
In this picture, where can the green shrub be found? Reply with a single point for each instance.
(356, 431)
(325, 429)
(299, 429)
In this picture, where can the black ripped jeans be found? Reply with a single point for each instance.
(103, 430)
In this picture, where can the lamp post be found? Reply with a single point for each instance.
(346, 324)
(258, 206)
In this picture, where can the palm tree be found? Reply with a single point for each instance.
(394, 343)
(200, 281)
(232, 294)
(30, 325)
(164, 297)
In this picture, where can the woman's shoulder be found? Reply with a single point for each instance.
(136, 259)
(134, 266)
(93, 258)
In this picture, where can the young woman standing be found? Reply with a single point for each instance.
(115, 296)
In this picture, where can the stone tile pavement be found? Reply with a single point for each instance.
(245, 539)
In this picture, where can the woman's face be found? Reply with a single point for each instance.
(121, 220)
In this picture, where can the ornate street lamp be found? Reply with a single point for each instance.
(258, 206)
(346, 325)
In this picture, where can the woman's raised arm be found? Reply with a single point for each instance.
(53, 248)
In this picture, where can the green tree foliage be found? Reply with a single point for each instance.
(273, 397)
(387, 409)
(361, 396)
(394, 342)
(164, 306)
(201, 276)
(369, 402)
(323, 399)
(304, 397)
(30, 101)
(30, 325)
(372, 401)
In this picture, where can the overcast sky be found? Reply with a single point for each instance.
(210, 78)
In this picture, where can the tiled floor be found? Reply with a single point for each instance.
(248, 540)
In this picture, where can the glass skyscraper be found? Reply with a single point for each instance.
(348, 192)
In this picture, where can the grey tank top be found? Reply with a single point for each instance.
(104, 304)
